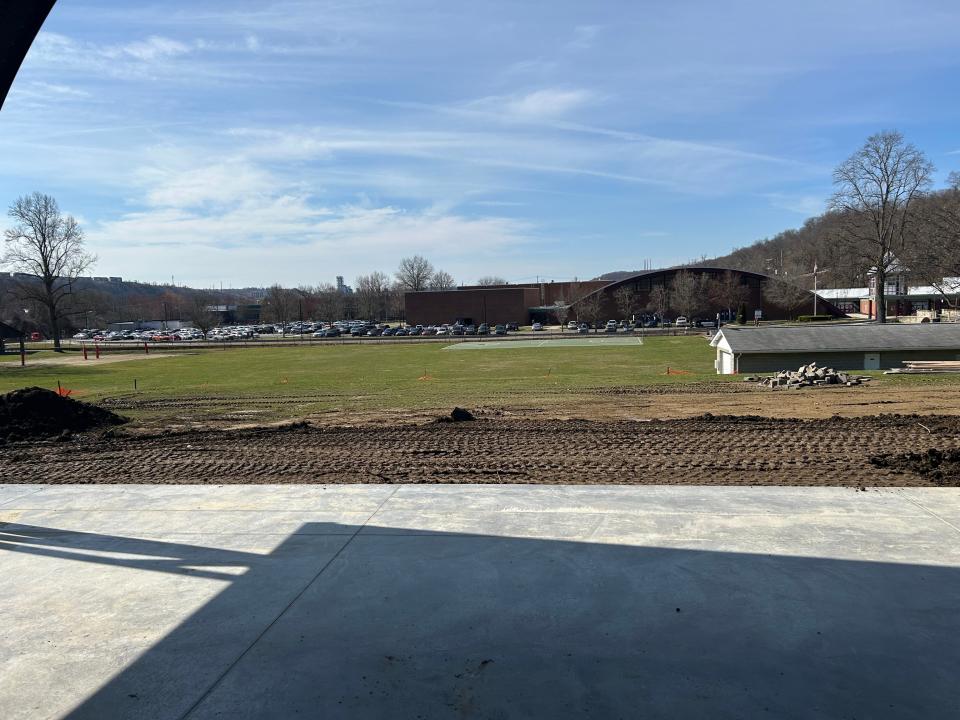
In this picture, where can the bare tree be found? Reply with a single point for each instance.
(561, 310)
(626, 301)
(727, 291)
(48, 246)
(589, 308)
(396, 306)
(490, 280)
(786, 295)
(684, 293)
(876, 190)
(441, 280)
(199, 312)
(659, 300)
(414, 273)
(279, 305)
(372, 295)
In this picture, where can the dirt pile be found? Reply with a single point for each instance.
(34, 413)
(457, 415)
(941, 467)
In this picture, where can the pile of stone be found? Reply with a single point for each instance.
(808, 376)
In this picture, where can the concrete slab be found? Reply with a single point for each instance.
(477, 601)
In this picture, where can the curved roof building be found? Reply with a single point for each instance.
(703, 292)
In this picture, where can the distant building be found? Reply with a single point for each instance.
(236, 314)
(149, 325)
(901, 297)
(342, 288)
(538, 302)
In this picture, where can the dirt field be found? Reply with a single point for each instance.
(696, 433)
(705, 450)
(647, 402)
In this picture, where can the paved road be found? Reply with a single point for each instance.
(478, 602)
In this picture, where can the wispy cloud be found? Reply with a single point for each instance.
(805, 205)
(583, 37)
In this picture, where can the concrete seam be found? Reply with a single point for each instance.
(283, 612)
(930, 512)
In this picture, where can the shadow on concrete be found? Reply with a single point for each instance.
(388, 623)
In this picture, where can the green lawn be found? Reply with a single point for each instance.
(372, 376)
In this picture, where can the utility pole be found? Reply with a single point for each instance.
(814, 287)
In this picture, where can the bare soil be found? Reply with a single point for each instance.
(33, 413)
(703, 450)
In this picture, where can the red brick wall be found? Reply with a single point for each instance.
(490, 305)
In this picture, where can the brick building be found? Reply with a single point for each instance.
(525, 303)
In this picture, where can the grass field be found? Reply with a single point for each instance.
(370, 377)
(267, 384)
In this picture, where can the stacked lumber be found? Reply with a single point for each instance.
(926, 367)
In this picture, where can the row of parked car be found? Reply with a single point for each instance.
(386, 330)
(139, 335)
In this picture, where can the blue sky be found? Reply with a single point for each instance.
(248, 143)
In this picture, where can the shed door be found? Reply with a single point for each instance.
(871, 361)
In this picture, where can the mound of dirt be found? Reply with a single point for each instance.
(34, 413)
(457, 415)
(941, 467)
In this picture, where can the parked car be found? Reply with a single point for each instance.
(681, 321)
(484, 329)
(469, 330)
(583, 329)
(536, 327)
(611, 326)
(500, 330)
(513, 326)
(572, 325)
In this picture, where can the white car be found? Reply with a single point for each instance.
(681, 321)
(572, 325)
(536, 327)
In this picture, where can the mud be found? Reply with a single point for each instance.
(703, 450)
(34, 413)
(941, 467)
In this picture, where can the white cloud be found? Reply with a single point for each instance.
(545, 104)
(217, 183)
(153, 48)
(287, 239)
(60, 90)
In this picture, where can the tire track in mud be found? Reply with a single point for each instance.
(705, 450)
